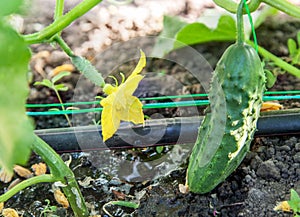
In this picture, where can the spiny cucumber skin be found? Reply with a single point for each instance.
(236, 96)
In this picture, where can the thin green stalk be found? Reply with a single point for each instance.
(63, 173)
(27, 183)
(284, 6)
(252, 26)
(240, 24)
(59, 9)
(64, 46)
(62, 106)
(277, 61)
(61, 22)
(232, 6)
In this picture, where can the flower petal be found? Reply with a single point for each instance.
(127, 88)
(139, 67)
(110, 121)
(133, 112)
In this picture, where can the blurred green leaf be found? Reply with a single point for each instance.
(292, 46)
(159, 149)
(294, 49)
(60, 87)
(196, 33)
(295, 201)
(16, 130)
(165, 41)
(9, 7)
(271, 78)
(60, 76)
(266, 12)
(44, 82)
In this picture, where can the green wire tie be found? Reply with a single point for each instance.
(150, 105)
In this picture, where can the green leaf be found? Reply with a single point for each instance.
(298, 38)
(292, 47)
(44, 82)
(125, 204)
(9, 7)
(88, 70)
(60, 76)
(266, 12)
(196, 33)
(165, 41)
(61, 87)
(159, 149)
(271, 78)
(295, 201)
(16, 130)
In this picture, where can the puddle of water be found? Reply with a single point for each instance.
(125, 166)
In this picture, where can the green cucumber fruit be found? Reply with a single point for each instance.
(226, 132)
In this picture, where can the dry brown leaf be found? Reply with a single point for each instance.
(184, 189)
(270, 106)
(5, 176)
(23, 172)
(42, 54)
(1, 206)
(14, 183)
(9, 213)
(61, 198)
(119, 195)
(283, 206)
(63, 68)
(39, 169)
(39, 62)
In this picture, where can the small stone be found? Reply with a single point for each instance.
(268, 170)
(115, 182)
(284, 148)
(297, 146)
(297, 157)
(255, 162)
(270, 152)
(248, 178)
(256, 194)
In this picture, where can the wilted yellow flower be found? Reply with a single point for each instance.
(120, 105)
(283, 206)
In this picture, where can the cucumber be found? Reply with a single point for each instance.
(226, 132)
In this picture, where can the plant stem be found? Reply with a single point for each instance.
(59, 9)
(284, 6)
(232, 6)
(62, 106)
(277, 61)
(61, 22)
(26, 183)
(64, 46)
(63, 173)
(240, 24)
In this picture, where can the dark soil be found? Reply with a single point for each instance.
(264, 178)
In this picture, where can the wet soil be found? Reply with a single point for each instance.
(265, 177)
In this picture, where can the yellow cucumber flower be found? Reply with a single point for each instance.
(120, 105)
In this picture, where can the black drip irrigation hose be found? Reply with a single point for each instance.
(156, 133)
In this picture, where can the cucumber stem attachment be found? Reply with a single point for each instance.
(240, 24)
